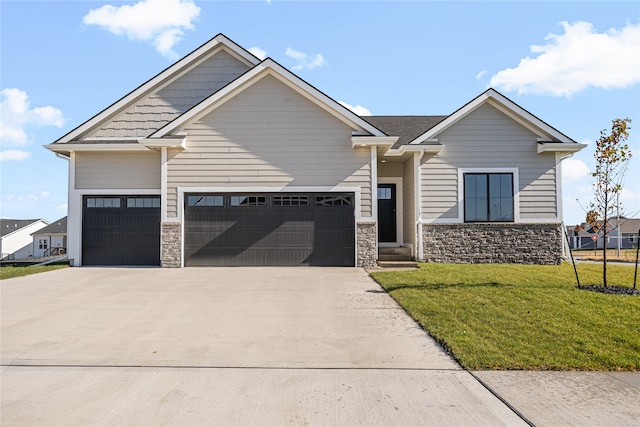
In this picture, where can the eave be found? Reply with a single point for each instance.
(559, 147)
(70, 147)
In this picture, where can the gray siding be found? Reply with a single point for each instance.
(269, 135)
(487, 138)
(117, 170)
(408, 208)
(154, 111)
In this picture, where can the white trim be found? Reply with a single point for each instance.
(458, 221)
(374, 182)
(558, 172)
(555, 147)
(516, 190)
(164, 142)
(417, 200)
(163, 184)
(399, 211)
(66, 148)
(381, 141)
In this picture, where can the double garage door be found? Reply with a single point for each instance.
(225, 229)
(270, 229)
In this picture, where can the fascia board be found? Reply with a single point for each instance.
(430, 148)
(65, 148)
(164, 142)
(559, 147)
(268, 67)
(376, 141)
(164, 78)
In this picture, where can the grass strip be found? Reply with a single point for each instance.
(523, 317)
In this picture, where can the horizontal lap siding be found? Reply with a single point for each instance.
(269, 136)
(157, 109)
(487, 138)
(117, 170)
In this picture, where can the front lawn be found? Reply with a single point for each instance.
(7, 272)
(522, 316)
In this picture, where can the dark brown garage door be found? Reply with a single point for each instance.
(270, 229)
(121, 230)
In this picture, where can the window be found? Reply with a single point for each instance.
(248, 200)
(633, 238)
(43, 244)
(143, 202)
(488, 197)
(103, 202)
(384, 193)
(290, 200)
(202, 200)
(333, 200)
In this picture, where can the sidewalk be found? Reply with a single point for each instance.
(555, 398)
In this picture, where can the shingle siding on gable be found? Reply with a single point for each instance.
(269, 135)
(158, 109)
(487, 138)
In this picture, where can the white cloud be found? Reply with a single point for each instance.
(15, 155)
(160, 22)
(574, 169)
(358, 109)
(62, 207)
(304, 61)
(16, 115)
(576, 60)
(257, 52)
(481, 74)
(44, 193)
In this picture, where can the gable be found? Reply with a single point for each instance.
(159, 108)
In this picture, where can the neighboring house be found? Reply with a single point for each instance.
(581, 236)
(15, 237)
(51, 240)
(225, 159)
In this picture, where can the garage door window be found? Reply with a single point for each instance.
(333, 201)
(201, 200)
(143, 202)
(290, 200)
(103, 202)
(248, 201)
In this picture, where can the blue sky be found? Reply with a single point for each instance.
(574, 64)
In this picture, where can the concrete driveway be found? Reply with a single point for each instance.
(225, 346)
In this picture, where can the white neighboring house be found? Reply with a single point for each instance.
(15, 237)
(51, 240)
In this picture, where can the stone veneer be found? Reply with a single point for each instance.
(171, 245)
(367, 241)
(480, 243)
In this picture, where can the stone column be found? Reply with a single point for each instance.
(171, 245)
(367, 241)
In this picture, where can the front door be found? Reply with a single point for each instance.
(387, 213)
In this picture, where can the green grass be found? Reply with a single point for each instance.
(523, 317)
(8, 272)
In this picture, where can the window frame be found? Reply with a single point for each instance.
(516, 192)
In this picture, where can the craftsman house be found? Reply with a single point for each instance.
(225, 159)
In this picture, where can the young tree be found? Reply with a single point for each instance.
(612, 155)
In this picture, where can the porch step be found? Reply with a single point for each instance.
(394, 254)
(397, 264)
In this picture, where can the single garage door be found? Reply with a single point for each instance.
(121, 230)
(270, 229)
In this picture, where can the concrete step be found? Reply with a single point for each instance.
(397, 264)
(395, 251)
(391, 257)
